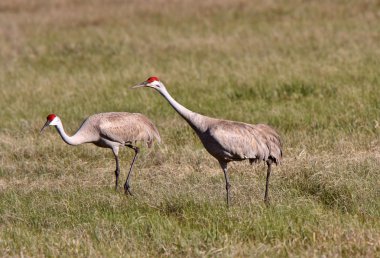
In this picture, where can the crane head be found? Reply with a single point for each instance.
(51, 119)
(151, 82)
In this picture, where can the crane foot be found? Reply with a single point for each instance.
(267, 202)
(126, 190)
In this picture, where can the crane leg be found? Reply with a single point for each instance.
(224, 167)
(117, 171)
(266, 196)
(126, 185)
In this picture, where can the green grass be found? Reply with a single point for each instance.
(309, 69)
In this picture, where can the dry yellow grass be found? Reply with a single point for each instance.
(310, 69)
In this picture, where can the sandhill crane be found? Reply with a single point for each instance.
(228, 140)
(111, 130)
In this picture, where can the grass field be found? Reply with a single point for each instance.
(311, 69)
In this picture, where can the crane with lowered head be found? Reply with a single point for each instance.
(111, 130)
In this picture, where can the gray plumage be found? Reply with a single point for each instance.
(228, 140)
(235, 141)
(111, 130)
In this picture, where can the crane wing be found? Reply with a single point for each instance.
(128, 128)
(245, 141)
(272, 139)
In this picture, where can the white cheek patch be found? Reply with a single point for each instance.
(154, 84)
(55, 121)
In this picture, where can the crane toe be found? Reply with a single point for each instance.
(126, 189)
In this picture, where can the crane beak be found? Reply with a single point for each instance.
(142, 84)
(45, 125)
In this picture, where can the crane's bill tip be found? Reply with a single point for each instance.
(45, 125)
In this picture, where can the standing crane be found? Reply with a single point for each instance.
(111, 130)
(228, 140)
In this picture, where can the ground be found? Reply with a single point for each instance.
(309, 69)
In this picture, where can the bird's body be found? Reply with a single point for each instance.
(228, 140)
(235, 141)
(111, 130)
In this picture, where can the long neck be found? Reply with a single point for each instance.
(72, 140)
(195, 120)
